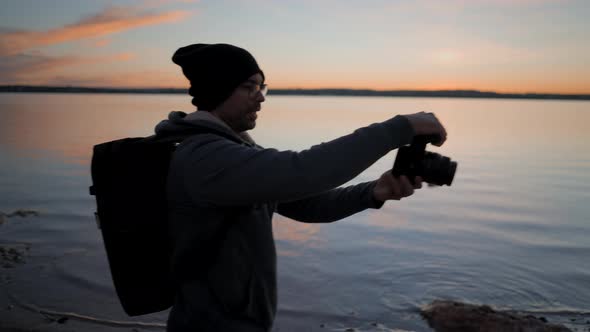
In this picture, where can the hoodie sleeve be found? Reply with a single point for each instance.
(331, 205)
(218, 171)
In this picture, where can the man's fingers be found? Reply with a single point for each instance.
(394, 186)
(407, 188)
(442, 140)
(441, 131)
(418, 182)
(442, 134)
(400, 187)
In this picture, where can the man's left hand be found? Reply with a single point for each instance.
(391, 188)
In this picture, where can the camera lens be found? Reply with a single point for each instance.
(437, 169)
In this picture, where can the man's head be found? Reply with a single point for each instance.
(214, 71)
(239, 110)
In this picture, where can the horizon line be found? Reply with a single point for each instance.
(458, 93)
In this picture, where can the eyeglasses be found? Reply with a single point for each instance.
(254, 88)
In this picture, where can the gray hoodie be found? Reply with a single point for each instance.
(214, 180)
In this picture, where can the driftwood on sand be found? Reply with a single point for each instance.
(451, 316)
(12, 254)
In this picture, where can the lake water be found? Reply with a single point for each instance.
(512, 231)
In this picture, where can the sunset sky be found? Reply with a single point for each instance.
(492, 45)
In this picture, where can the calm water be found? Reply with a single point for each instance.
(512, 231)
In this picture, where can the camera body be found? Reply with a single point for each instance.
(414, 160)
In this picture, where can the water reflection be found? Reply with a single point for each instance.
(295, 236)
(516, 215)
(389, 217)
(68, 125)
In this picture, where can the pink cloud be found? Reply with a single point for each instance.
(156, 3)
(454, 5)
(491, 2)
(110, 21)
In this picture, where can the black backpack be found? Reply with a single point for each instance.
(129, 182)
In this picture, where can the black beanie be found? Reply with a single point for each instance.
(214, 70)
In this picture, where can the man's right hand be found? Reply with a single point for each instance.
(427, 124)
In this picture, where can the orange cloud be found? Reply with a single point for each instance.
(107, 22)
(31, 69)
(101, 42)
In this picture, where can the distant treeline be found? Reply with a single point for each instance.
(310, 92)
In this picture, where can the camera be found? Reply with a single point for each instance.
(414, 160)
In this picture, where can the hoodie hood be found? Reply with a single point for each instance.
(179, 122)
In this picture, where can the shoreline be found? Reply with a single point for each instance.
(308, 92)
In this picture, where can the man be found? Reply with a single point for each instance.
(223, 190)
